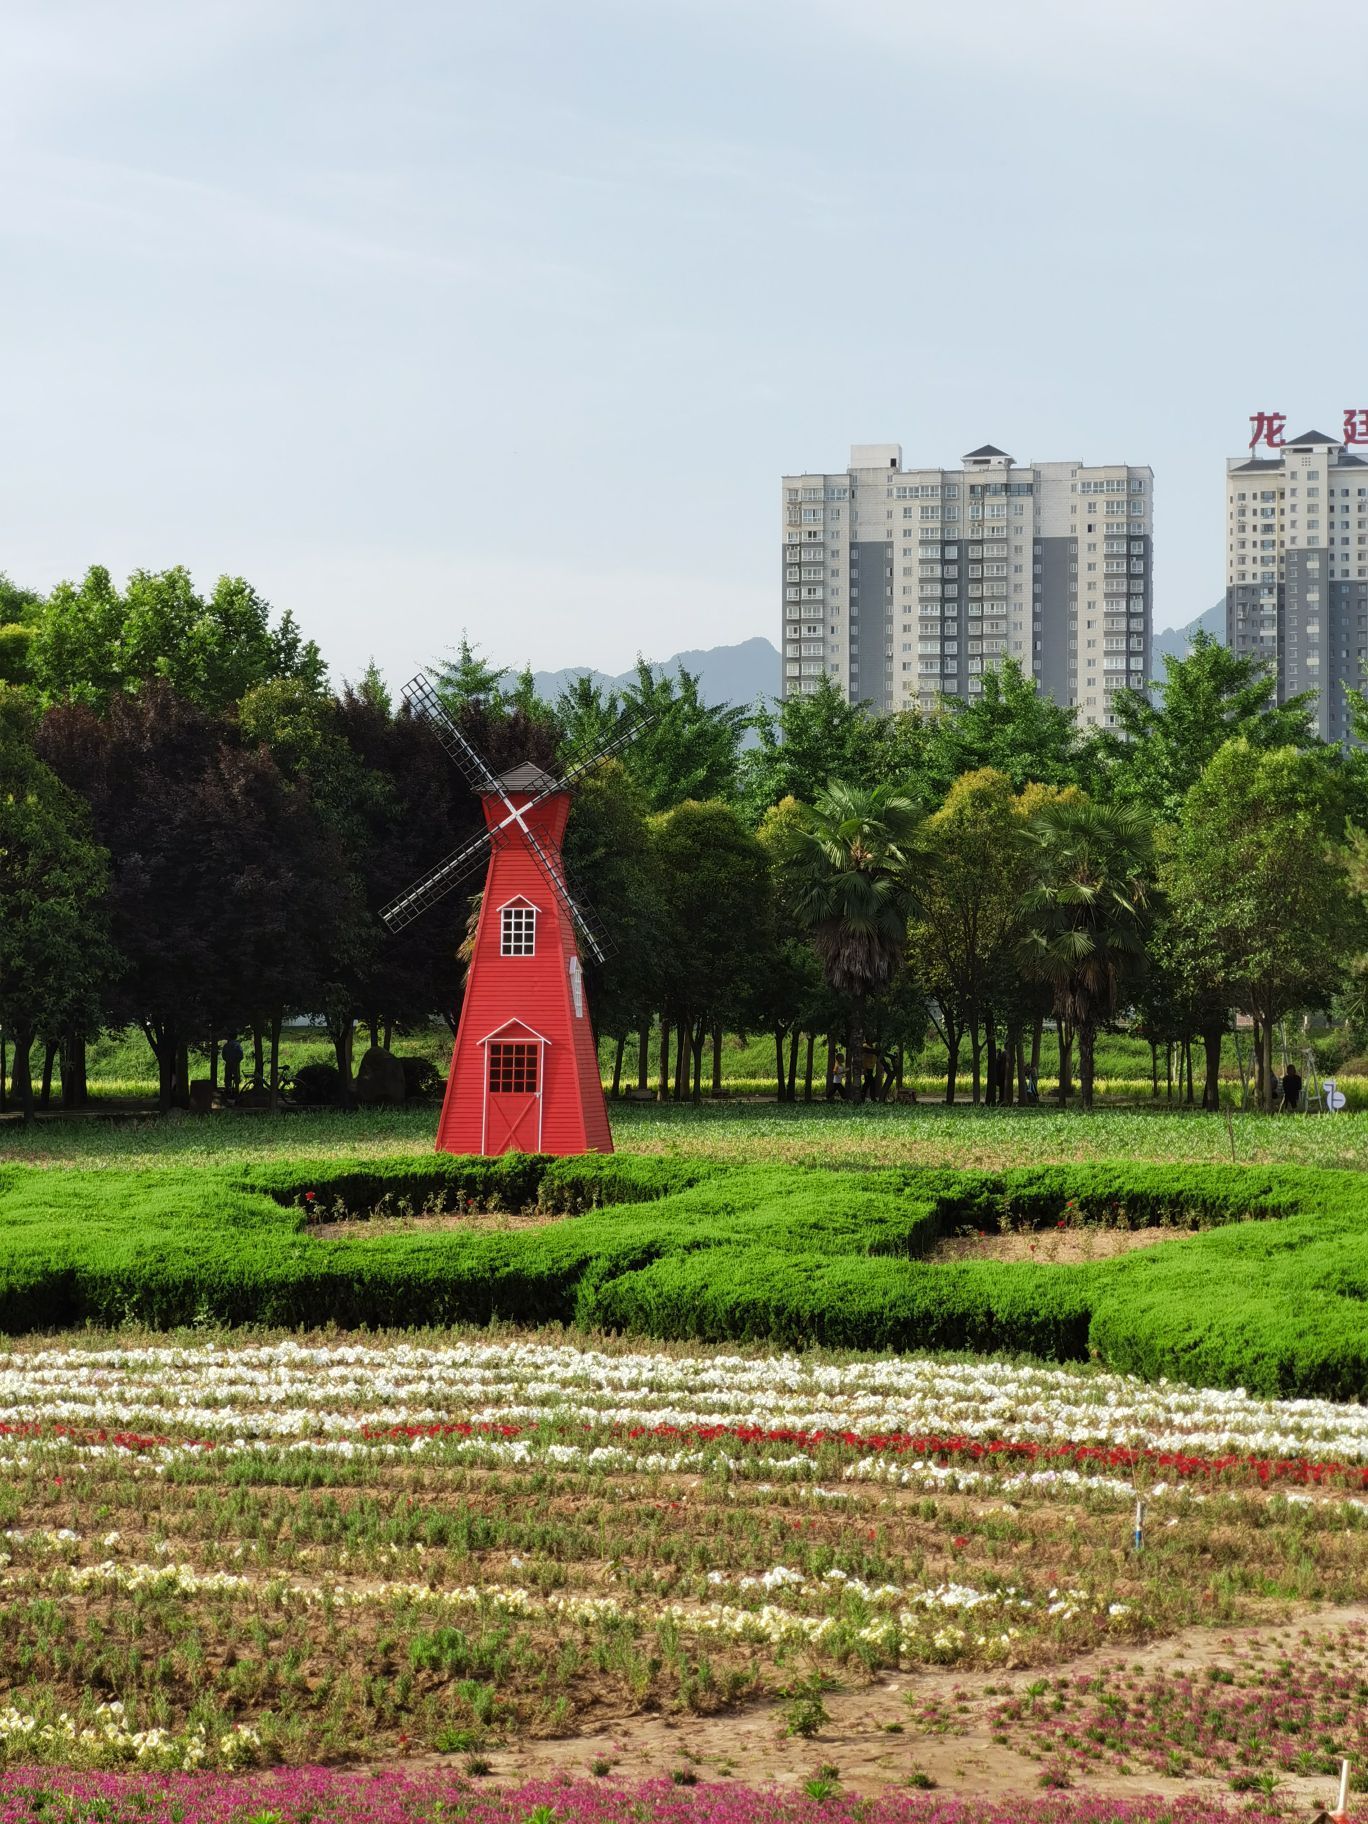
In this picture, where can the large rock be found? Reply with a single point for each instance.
(379, 1078)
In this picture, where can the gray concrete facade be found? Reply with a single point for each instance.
(1054, 615)
(871, 623)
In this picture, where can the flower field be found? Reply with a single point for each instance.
(511, 1557)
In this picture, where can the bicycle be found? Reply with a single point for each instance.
(254, 1090)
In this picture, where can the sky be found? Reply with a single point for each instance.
(507, 319)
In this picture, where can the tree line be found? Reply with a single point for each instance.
(197, 832)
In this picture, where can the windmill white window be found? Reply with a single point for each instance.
(518, 929)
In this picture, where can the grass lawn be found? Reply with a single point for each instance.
(737, 1131)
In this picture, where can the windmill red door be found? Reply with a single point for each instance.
(524, 1072)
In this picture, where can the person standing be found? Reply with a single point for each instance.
(232, 1065)
(1291, 1090)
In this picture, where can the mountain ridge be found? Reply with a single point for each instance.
(726, 674)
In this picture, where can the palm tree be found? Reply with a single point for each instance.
(843, 862)
(1085, 912)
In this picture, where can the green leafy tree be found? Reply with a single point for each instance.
(467, 679)
(589, 715)
(690, 749)
(92, 641)
(965, 886)
(844, 861)
(18, 614)
(610, 861)
(1009, 726)
(1258, 887)
(1160, 748)
(1091, 869)
(716, 922)
(804, 741)
(55, 956)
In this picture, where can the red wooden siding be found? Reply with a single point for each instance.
(525, 991)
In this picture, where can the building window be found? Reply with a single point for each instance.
(518, 931)
(513, 1069)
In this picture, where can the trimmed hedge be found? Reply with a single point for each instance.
(1274, 1297)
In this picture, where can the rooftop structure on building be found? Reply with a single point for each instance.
(903, 586)
(1297, 570)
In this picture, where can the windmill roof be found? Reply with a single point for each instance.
(525, 778)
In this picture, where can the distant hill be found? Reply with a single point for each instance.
(726, 674)
(1177, 641)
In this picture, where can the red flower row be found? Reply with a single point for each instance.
(1297, 1471)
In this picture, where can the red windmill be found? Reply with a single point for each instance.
(524, 1073)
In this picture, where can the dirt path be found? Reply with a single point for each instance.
(750, 1745)
(1055, 1247)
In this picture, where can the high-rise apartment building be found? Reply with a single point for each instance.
(903, 585)
(1297, 570)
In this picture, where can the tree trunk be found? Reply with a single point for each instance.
(374, 1024)
(22, 1081)
(1022, 1067)
(50, 1050)
(277, 1020)
(696, 1048)
(389, 1033)
(1266, 1035)
(4, 1072)
(681, 1081)
(344, 1043)
(163, 1044)
(855, 1048)
(1187, 1053)
(975, 1060)
(1086, 1036)
(779, 1074)
(717, 1060)
(1154, 1070)
(73, 1070)
(952, 1051)
(830, 1067)
(183, 1074)
(213, 1060)
(793, 1065)
(617, 1064)
(1064, 1040)
(663, 1082)
(1212, 1037)
(807, 1065)
(644, 1057)
(1011, 1040)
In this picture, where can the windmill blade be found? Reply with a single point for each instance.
(590, 926)
(606, 752)
(596, 934)
(577, 772)
(443, 879)
(422, 698)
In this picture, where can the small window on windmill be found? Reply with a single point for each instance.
(513, 1069)
(518, 931)
(577, 987)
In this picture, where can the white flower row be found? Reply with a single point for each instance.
(769, 1621)
(108, 1738)
(291, 1389)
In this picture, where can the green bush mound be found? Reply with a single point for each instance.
(1272, 1295)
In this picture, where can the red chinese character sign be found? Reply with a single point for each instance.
(1270, 428)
